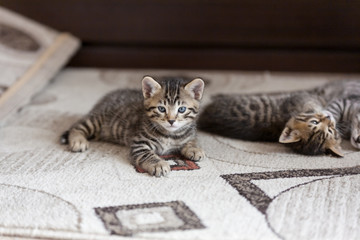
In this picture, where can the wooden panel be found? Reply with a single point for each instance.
(319, 23)
(219, 58)
(293, 35)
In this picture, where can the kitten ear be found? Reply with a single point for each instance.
(195, 88)
(150, 87)
(336, 151)
(289, 136)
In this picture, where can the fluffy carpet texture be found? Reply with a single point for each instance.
(242, 190)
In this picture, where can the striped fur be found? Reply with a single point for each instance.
(265, 117)
(347, 115)
(152, 122)
(258, 117)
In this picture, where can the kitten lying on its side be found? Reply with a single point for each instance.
(265, 117)
(299, 119)
(158, 120)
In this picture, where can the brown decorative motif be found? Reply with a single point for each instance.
(17, 39)
(128, 220)
(259, 199)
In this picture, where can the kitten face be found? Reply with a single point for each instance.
(312, 134)
(172, 105)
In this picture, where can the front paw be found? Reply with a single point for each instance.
(355, 141)
(193, 153)
(158, 169)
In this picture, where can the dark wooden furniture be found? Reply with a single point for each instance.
(281, 35)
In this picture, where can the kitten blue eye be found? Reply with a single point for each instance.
(182, 109)
(161, 109)
(314, 122)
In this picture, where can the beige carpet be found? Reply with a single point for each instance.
(243, 190)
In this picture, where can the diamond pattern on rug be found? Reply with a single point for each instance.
(128, 220)
(177, 163)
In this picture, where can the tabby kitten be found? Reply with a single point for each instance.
(154, 122)
(294, 118)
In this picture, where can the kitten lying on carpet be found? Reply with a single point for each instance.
(303, 120)
(153, 122)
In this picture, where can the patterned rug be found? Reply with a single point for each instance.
(242, 190)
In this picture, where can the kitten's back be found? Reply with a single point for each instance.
(337, 89)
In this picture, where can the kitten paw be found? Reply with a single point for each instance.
(355, 141)
(161, 168)
(78, 143)
(193, 153)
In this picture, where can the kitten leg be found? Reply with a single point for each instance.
(78, 135)
(156, 166)
(355, 131)
(77, 141)
(143, 155)
(192, 152)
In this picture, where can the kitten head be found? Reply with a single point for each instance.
(312, 134)
(172, 103)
